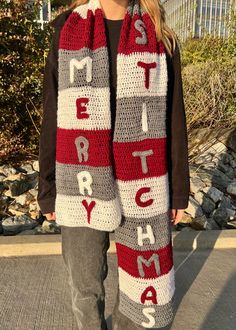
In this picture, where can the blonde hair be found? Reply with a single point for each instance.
(157, 14)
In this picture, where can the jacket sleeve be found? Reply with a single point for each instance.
(47, 141)
(179, 166)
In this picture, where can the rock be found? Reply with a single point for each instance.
(48, 227)
(233, 154)
(203, 159)
(192, 171)
(33, 192)
(16, 224)
(28, 232)
(2, 177)
(17, 210)
(231, 188)
(196, 184)
(19, 187)
(226, 169)
(233, 163)
(186, 218)
(205, 177)
(231, 213)
(17, 184)
(215, 194)
(36, 165)
(220, 216)
(13, 177)
(229, 139)
(213, 225)
(199, 223)
(199, 197)
(225, 202)
(7, 170)
(2, 187)
(3, 202)
(21, 199)
(219, 179)
(32, 180)
(226, 158)
(208, 205)
(26, 168)
(33, 206)
(231, 225)
(194, 208)
(187, 228)
(219, 148)
(34, 214)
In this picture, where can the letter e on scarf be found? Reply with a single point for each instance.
(81, 108)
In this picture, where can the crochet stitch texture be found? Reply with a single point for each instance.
(118, 183)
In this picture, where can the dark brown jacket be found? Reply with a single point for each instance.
(177, 142)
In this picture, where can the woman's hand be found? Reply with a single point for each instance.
(50, 216)
(176, 215)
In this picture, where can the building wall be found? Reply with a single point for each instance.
(195, 18)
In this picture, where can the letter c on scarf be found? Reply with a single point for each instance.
(138, 197)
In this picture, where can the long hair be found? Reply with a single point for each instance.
(157, 14)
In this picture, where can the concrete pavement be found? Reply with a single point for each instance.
(34, 293)
(29, 245)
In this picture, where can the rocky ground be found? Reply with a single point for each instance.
(19, 210)
(212, 202)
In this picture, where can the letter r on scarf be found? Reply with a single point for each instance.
(74, 63)
(147, 67)
(82, 145)
(85, 180)
(154, 258)
(138, 196)
(149, 234)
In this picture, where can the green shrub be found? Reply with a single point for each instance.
(209, 80)
(22, 59)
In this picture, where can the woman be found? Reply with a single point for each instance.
(114, 157)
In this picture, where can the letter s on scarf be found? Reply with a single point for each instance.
(146, 312)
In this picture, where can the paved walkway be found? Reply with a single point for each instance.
(34, 293)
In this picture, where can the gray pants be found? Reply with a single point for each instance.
(84, 251)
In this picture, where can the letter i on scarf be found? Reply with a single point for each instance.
(118, 183)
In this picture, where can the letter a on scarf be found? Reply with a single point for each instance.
(118, 182)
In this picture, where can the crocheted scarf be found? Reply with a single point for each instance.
(118, 182)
